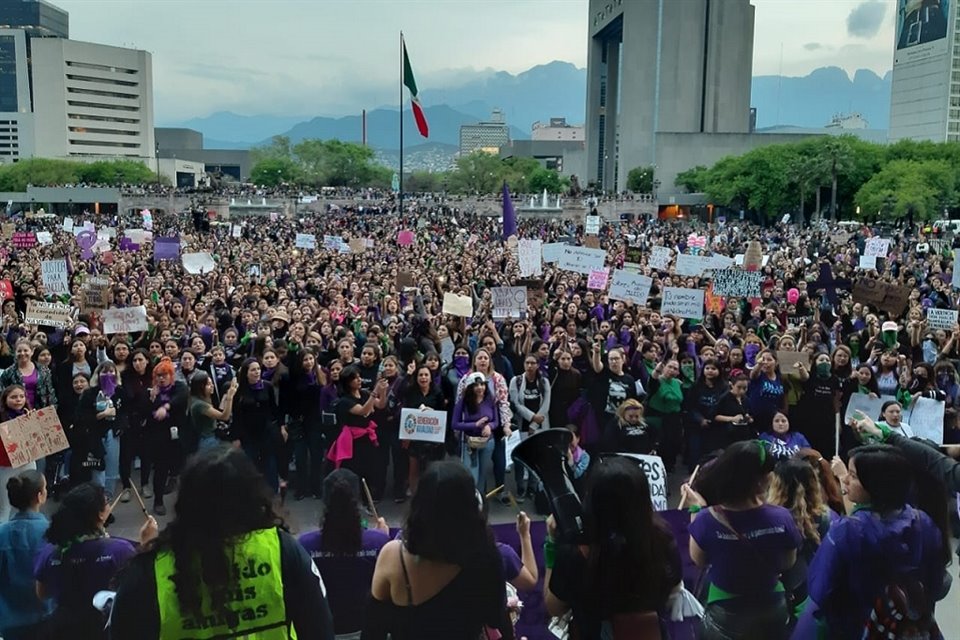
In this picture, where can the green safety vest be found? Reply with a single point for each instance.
(254, 605)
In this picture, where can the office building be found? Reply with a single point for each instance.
(187, 145)
(16, 117)
(556, 129)
(486, 136)
(662, 66)
(925, 88)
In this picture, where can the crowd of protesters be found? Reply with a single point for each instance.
(296, 363)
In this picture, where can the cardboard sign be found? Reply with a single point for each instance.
(656, 474)
(660, 258)
(423, 426)
(592, 226)
(753, 257)
(592, 242)
(736, 283)
(786, 360)
(306, 241)
(33, 436)
(682, 302)
(9, 228)
(529, 255)
(892, 298)
(357, 245)
(55, 277)
(457, 305)
(597, 280)
(198, 263)
(405, 279)
(48, 314)
(126, 320)
(96, 293)
(581, 259)
(509, 302)
(945, 319)
(24, 239)
(630, 287)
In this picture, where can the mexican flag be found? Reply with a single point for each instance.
(411, 83)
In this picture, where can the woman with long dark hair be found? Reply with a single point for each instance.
(20, 540)
(306, 384)
(345, 551)
(421, 392)
(628, 563)
(224, 567)
(80, 560)
(739, 530)
(356, 445)
(203, 415)
(256, 421)
(101, 414)
(444, 579)
(136, 380)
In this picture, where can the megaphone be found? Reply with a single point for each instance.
(545, 455)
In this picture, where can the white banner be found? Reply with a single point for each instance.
(306, 241)
(682, 302)
(582, 259)
(530, 252)
(867, 263)
(198, 263)
(630, 287)
(688, 265)
(878, 247)
(55, 278)
(941, 319)
(656, 474)
(126, 320)
(660, 258)
(553, 250)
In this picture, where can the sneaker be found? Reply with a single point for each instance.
(146, 492)
(159, 510)
(125, 495)
(505, 498)
(520, 497)
(172, 483)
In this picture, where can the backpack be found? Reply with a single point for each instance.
(902, 611)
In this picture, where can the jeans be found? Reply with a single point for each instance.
(499, 461)
(263, 452)
(5, 474)
(110, 476)
(207, 442)
(478, 462)
(133, 444)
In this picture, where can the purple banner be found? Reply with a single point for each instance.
(166, 249)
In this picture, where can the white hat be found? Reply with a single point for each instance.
(475, 378)
(889, 325)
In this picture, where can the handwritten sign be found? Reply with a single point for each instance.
(55, 277)
(682, 302)
(688, 265)
(126, 320)
(787, 359)
(592, 226)
(332, 242)
(530, 252)
(509, 302)
(357, 245)
(457, 305)
(597, 280)
(878, 247)
(198, 263)
(656, 473)
(33, 436)
(581, 259)
(24, 239)
(44, 238)
(736, 283)
(96, 292)
(423, 426)
(8, 229)
(892, 298)
(405, 238)
(48, 314)
(553, 250)
(68, 224)
(166, 249)
(867, 263)
(941, 318)
(660, 258)
(306, 241)
(630, 287)
(926, 419)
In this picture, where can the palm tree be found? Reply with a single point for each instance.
(837, 155)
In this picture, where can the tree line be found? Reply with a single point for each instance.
(45, 172)
(835, 177)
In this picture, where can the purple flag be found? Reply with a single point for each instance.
(509, 217)
(166, 249)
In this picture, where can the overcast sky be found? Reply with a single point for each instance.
(331, 57)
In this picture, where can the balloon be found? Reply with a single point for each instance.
(792, 296)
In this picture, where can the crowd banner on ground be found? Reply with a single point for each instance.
(55, 277)
(33, 436)
(941, 318)
(48, 314)
(530, 252)
(737, 283)
(424, 426)
(630, 287)
(457, 305)
(656, 474)
(96, 293)
(305, 241)
(660, 258)
(509, 302)
(682, 302)
(198, 263)
(125, 320)
(581, 259)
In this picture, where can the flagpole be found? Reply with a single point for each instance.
(400, 192)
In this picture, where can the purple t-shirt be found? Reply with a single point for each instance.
(89, 567)
(785, 446)
(347, 577)
(512, 563)
(748, 564)
(30, 388)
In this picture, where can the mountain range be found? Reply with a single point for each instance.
(556, 89)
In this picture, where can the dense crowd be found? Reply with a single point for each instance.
(284, 372)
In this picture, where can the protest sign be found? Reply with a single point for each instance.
(753, 257)
(55, 277)
(108, 233)
(941, 318)
(682, 302)
(357, 245)
(48, 314)
(126, 320)
(736, 283)
(96, 293)
(332, 242)
(878, 247)
(68, 224)
(892, 298)
(656, 474)
(405, 279)
(740, 258)
(553, 250)
(597, 280)
(166, 248)
(44, 238)
(581, 259)
(787, 359)
(424, 426)
(868, 262)
(509, 302)
(592, 227)
(9, 228)
(305, 241)
(529, 257)
(659, 258)
(138, 236)
(926, 419)
(24, 239)
(630, 287)
(198, 263)
(457, 305)
(688, 265)
(592, 242)
(405, 238)
(866, 404)
(33, 436)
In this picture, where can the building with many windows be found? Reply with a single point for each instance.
(485, 136)
(16, 113)
(556, 129)
(925, 89)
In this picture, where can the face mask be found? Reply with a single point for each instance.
(889, 338)
(688, 370)
(108, 383)
(823, 369)
(750, 352)
(855, 349)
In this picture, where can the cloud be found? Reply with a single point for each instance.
(813, 46)
(866, 19)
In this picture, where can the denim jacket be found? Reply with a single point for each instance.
(20, 540)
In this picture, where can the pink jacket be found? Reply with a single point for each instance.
(342, 447)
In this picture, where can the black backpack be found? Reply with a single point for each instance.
(903, 611)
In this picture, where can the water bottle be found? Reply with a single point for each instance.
(104, 403)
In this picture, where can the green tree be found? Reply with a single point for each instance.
(837, 156)
(116, 172)
(518, 172)
(479, 172)
(40, 172)
(547, 179)
(640, 180)
(915, 188)
(693, 180)
(423, 182)
(278, 147)
(271, 172)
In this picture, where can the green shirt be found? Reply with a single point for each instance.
(204, 424)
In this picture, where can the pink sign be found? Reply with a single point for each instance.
(598, 279)
(24, 239)
(405, 238)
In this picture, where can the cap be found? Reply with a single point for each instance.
(889, 325)
(81, 330)
(476, 378)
